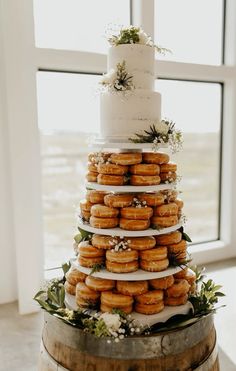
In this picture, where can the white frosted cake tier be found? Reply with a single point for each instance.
(123, 115)
(124, 233)
(140, 63)
(130, 188)
(145, 320)
(139, 275)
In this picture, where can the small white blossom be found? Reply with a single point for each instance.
(112, 321)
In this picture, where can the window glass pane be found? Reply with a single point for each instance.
(192, 29)
(196, 109)
(77, 24)
(68, 111)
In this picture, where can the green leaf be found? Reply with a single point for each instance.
(96, 268)
(45, 305)
(78, 237)
(65, 267)
(186, 237)
(39, 293)
(53, 297)
(218, 293)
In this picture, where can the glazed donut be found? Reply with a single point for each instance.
(109, 308)
(130, 158)
(90, 262)
(118, 200)
(84, 292)
(102, 211)
(155, 158)
(102, 242)
(176, 248)
(85, 205)
(190, 276)
(182, 273)
(136, 213)
(150, 297)
(87, 195)
(92, 167)
(134, 225)
(180, 300)
(85, 215)
(99, 284)
(96, 157)
(168, 177)
(166, 210)
(158, 253)
(154, 266)
(164, 221)
(162, 283)
(96, 197)
(151, 199)
(83, 303)
(115, 299)
(70, 289)
(144, 169)
(170, 166)
(179, 203)
(123, 256)
(115, 180)
(91, 176)
(141, 243)
(142, 180)
(149, 308)
(122, 267)
(103, 222)
(89, 251)
(179, 288)
(73, 276)
(169, 238)
(112, 169)
(193, 288)
(132, 288)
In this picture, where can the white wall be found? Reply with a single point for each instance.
(8, 290)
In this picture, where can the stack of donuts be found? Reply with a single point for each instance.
(129, 211)
(73, 277)
(146, 297)
(128, 254)
(134, 168)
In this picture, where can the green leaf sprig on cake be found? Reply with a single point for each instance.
(118, 80)
(133, 35)
(160, 133)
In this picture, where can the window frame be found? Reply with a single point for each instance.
(22, 60)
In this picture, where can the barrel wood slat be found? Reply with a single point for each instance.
(68, 348)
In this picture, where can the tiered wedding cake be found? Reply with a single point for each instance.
(133, 252)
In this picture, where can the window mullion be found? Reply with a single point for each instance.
(143, 15)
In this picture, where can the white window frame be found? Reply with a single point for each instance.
(21, 62)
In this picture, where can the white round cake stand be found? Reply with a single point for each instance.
(144, 320)
(139, 275)
(129, 188)
(118, 232)
(119, 144)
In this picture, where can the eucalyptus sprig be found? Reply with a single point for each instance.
(159, 133)
(204, 299)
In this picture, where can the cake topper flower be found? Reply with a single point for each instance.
(133, 35)
(118, 80)
(159, 133)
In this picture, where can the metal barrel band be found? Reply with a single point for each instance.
(209, 362)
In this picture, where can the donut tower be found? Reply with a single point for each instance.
(133, 252)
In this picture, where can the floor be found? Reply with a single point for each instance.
(20, 335)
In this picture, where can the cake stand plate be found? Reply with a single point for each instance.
(145, 320)
(139, 275)
(130, 188)
(124, 233)
(103, 143)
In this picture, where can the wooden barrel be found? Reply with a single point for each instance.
(190, 348)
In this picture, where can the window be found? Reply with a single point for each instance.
(65, 121)
(192, 29)
(196, 109)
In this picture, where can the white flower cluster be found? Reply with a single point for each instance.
(118, 326)
(138, 203)
(119, 244)
(144, 39)
(117, 80)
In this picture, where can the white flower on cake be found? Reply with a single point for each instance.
(118, 80)
(112, 321)
(162, 127)
(133, 35)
